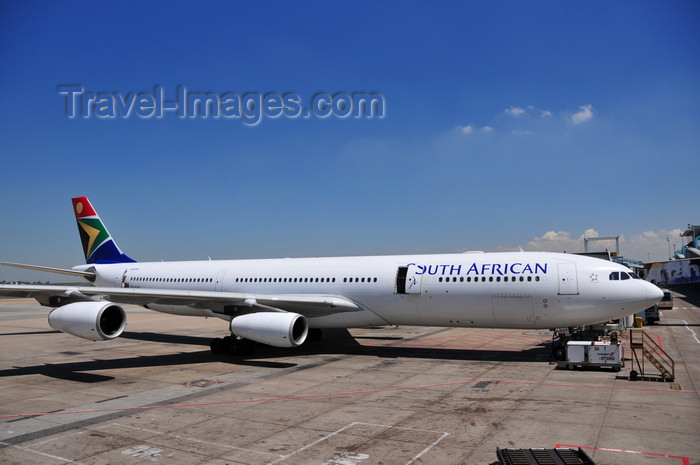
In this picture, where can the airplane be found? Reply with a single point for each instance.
(283, 302)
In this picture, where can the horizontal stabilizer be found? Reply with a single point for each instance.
(89, 275)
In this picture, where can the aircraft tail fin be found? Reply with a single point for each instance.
(98, 245)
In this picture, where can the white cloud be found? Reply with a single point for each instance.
(653, 245)
(470, 129)
(584, 114)
(529, 120)
(645, 246)
(564, 241)
(558, 241)
(514, 111)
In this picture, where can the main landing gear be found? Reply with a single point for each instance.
(315, 335)
(231, 345)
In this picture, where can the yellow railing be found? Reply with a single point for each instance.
(641, 341)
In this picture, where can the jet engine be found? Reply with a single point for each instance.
(95, 321)
(272, 328)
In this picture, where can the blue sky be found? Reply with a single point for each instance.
(506, 124)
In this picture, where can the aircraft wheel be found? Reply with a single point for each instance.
(559, 351)
(217, 346)
(245, 346)
(236, 346)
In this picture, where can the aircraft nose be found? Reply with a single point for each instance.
(654, 294)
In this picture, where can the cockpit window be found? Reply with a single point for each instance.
(622, 275)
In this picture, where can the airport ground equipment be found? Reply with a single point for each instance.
(644, 347)
(598, 332)
(651, 315)
(593, 354)
(666, 301)
(563, 456)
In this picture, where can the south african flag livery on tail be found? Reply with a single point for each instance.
(98, 245)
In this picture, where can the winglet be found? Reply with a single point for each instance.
(98, 245)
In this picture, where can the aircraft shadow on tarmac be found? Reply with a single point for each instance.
(676, 324)
(331, 345)
(29, 333)
(340, 342)
(336, 342)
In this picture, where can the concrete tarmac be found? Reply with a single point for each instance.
(394, 395)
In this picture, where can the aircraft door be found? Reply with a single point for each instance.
(568, 279)
(408, 281)
(220, 280)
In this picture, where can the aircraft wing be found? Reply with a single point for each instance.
(309, 305)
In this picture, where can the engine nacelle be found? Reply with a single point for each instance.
(272, 328)
(95, 321)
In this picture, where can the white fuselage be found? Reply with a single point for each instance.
(488, 290)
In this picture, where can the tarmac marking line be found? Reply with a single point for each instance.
(443, 435)
(695, 336)
(330, 435)
(337, 394)
(104, 415)
(424, 451)
(685, 460)
(44, 454)
(187, 438)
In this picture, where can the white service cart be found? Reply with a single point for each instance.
(593, 354)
